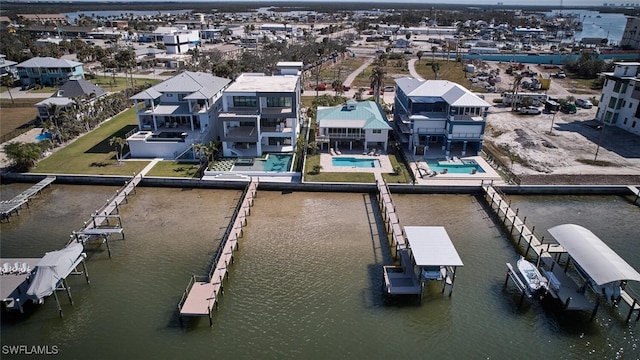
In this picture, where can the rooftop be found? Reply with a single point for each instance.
(454, 94)
(260, 83)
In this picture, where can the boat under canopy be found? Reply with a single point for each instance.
(597, 259)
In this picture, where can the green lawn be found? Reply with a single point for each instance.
(116, 84)
(449, 70)
(91, 154)
(174, 169)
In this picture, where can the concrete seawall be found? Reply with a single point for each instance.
(323, 187)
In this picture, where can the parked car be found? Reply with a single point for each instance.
(568, 108)
(389, 88)
(371, 92)
(584, 103)
(561, 75)
(408, 52)
(321, 87)
(530, 110)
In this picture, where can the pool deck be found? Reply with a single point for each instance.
(327, 165)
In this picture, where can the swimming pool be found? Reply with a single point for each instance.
(461, 167)
(355, 162)
(278, 162)
(43, 136)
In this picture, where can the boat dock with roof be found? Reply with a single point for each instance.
(13, 206)
(202, 293)
(425, 252)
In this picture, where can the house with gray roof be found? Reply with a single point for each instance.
(48, 71)
(72, 91)
(439, 113)
(176, 114)
(353, 126)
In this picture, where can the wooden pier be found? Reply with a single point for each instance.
(389, 216)
(636, 192)
(13, 206)
(202, 293)
(100, 226)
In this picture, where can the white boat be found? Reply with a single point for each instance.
(531, 276)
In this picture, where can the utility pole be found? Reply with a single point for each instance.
(595, 158)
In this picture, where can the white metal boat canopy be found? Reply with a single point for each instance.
(594, 256)
(431, 246)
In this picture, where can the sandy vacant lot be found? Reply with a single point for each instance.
(539, 154)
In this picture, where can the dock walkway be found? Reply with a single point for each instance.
(202, 293)
(13, 206)
(388, 210)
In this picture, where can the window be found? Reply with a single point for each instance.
(633, 125)
(278, 102)
(612, 102)
(607, 117)
(181, 96)
(616, 87)
(244, 101)
(377, 131)
(624, 88)
(615, 118)
(625, 121)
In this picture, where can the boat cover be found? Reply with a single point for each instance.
(597, 259)
(431, 246)
(52, 268)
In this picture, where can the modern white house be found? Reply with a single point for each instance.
(355, 125)
(439, 113)
(176, 114)
(260, 113)
(620, 100)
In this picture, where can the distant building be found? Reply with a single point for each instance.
(631, 34)
(48, 71)
(72, 91)
(45, 18)
(8, 67)
(620, 100)
(439, 113)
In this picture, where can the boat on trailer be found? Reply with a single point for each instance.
(531, 276)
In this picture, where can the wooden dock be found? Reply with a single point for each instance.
(517, 227)
(100, 225)
(636, 192)
(10, 207)
(202, 293)
(389, 216)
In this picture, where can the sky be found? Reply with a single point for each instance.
(551, 3)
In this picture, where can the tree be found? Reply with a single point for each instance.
(7, 80)
(358, 95)
(419, 55)
(433, 51)
(337, 86)
(23, 155)
(516, 83)
(119, 143)
(436, 69)
(377, 81)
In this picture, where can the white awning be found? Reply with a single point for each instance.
(52, 268)
(597, 259)
(431, 246)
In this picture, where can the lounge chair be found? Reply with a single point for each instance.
(332, 152)
(16, 268)
(24, 268)
(6, 269)
(378, 152)
(338, 152)
(372, 152)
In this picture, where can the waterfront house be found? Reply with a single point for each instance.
(176, 114)
(429, 113)
(260, 113)
(48, 71)
(620, 100)
(353, 125)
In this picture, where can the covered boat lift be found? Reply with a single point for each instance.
(429, 255)
(51, 271)
(604, 270)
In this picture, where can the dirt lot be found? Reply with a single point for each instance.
(538, 154)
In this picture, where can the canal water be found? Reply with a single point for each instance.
(307, 279)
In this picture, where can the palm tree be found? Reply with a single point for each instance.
(23, 155)
(433, 51)
(8, 81)
(337, 86)
(436, 69)
(377, 81)
(358, 95)
(516, 83)
(419, 55)
(119, 143)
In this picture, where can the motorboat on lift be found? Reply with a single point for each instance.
(531, 276)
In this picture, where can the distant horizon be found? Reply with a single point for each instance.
(538, 3)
